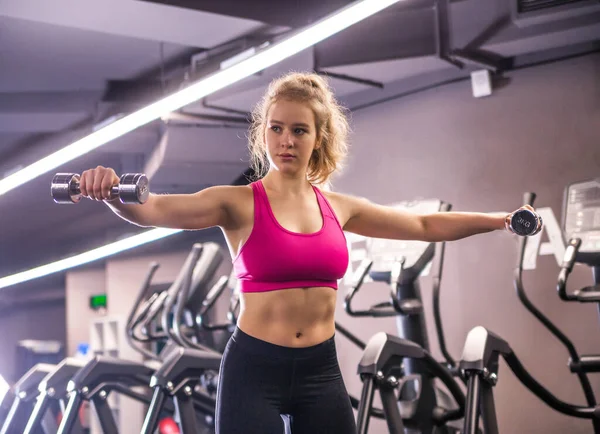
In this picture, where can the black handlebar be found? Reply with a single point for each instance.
(179, 327)
(572, 255)
(437, 279)
(151, 305)
(180, 285)
(153, 311)
(213, 295)
(378, 310)
(566, 268)
(592, 412)
(132, 320)
(529, 198)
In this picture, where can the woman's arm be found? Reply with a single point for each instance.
(378, 221)
(206, 208)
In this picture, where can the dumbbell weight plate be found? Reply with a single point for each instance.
(525, 222)
(133, 188)
(65, 188)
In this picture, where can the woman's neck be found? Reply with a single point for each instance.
(279, 183)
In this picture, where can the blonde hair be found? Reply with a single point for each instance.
(330, 118)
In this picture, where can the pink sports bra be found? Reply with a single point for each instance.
(275, 258)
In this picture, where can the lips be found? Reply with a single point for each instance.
(286, 156)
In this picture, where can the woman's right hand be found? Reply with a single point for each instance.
(97, 183)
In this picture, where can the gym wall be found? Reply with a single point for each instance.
(538, 133)
(80, 285)
(42, 321)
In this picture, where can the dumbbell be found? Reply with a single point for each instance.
(132, 188)
(525, 222)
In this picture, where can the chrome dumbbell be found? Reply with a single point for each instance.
(524, 222)
(132, 188)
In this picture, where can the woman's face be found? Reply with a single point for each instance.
(290, 136)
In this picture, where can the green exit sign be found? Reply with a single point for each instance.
(98, 301)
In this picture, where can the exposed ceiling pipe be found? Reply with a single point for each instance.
(460, 57)
(194, 118)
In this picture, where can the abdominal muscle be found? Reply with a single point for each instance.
(296, 317)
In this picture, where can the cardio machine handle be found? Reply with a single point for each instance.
(572, 255)
(378, 310)
(179, 288)
(529, 198)
(142, 317)
(566, 268)
(213, 295)
(545, 395)
(179, 333)
(142, 294)
(133, 321)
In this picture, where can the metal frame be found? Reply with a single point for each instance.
(185, 410)
(71, 413)
(381, 368)
(38, 415)
(479, 364)
(104, 413)
(26, 391)
(176, 379)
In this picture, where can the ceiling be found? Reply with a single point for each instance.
(68, 67)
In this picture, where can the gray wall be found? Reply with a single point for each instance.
(539, 133)
(80, 285)
(39, 322)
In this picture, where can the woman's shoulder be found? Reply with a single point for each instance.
(341, 198)
(238, 193)
(344, 204)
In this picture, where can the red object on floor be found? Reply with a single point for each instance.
(168, 426)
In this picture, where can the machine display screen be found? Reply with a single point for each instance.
(582, 214)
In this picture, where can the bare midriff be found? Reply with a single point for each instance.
(296, 317)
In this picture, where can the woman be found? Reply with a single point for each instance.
(286, 239)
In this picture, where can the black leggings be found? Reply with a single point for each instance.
(266, 389)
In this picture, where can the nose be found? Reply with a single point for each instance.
(287, 140)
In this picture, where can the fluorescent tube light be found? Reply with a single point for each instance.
(263, 59)
(4, 388)
(87, 257)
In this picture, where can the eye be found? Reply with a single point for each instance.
(300, 131)
(275, 128)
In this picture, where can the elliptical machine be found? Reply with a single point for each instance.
(479, 363)
(390, 362)
(103, 375)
